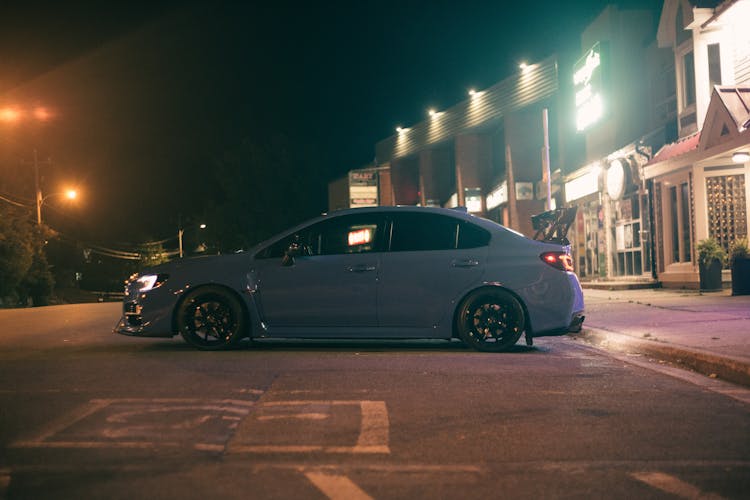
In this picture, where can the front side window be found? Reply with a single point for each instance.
(340, 235)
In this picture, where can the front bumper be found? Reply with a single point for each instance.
(146, 314)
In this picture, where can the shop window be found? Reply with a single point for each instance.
(727, 208)
(685, 219)
(675, 224)
(679, 210)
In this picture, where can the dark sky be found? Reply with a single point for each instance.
(147, 93)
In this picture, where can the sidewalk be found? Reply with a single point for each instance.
(707, 332)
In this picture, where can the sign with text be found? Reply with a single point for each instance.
(363, 188)
(588, 76)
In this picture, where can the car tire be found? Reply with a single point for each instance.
(490, 320)
(211, 318)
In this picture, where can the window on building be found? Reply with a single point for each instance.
(679, 210)
(727, 208)
(688, 79)
(673, 210)
(685, 219)
(714, 65)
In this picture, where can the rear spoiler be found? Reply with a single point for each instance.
(552, 226)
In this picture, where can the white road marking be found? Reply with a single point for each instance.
(151, 409)
(337, 487)
(673, 486)
(373, 434)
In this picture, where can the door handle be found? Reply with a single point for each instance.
(361, 268)
(464, 263)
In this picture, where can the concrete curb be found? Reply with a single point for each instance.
(726, 368)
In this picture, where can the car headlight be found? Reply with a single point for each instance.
(150, 281)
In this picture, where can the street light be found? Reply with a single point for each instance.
(70, 194)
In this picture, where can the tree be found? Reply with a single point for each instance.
(24, 271)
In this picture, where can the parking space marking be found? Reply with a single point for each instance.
(672, 485)
(337, 487)
(143, 423)
(373, 437)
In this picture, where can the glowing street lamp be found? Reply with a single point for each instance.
(69, 194)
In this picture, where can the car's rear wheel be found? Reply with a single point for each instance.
(211, 318)
(490, 320)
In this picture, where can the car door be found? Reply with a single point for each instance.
(332, 283)
(431, 261)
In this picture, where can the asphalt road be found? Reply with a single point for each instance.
(85, 413)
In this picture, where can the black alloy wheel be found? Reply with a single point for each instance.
(491, 320)
(211, 318)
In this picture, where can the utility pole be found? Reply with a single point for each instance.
(546, 176)
(38, 190)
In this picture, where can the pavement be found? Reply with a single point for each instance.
(708, 332)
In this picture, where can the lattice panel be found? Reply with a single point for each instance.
(727, 208)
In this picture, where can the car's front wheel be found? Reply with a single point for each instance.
(211, 318)
(490, 320)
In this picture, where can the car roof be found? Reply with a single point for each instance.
(458, 213)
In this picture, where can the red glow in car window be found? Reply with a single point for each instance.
(360, 237)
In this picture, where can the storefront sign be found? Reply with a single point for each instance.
(363, 188)
(497, 196)
(473, 199)
(616, 179)
(582, 186)
(524, 190)
(588, 88)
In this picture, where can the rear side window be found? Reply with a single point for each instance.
(421, 232)
(471, 236)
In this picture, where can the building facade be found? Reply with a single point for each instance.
(700, 187)
(482, 153)
(623, 116)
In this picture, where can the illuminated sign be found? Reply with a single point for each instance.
(588, 87)
(360, 237)
(473, 200)
(498, 196)
(616, 179)
(363, 188)
(582, 186)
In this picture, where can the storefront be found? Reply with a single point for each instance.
(701, 189)
(611, 236)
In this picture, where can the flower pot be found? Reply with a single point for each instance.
(741, 276)
(710, 275)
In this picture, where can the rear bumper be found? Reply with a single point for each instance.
(576, 323)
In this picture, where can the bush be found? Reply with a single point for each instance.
(738, 250)
(710, 250)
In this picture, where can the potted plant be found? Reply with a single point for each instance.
(710, 261)
(739, 262)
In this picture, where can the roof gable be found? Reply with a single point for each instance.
(728, 115)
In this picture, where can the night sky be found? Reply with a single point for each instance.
(148, 96)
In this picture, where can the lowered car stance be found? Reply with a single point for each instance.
(366, 273)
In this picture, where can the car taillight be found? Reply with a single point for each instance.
(558, 260)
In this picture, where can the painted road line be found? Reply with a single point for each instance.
(373, 437)
(337, 487)
(672, 485)
(141, 423)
